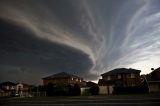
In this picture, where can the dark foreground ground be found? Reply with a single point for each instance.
(114, 100)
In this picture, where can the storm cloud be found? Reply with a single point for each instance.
(86, 38)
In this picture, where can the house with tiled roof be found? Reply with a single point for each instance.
(23, 87)
(63, 78)
(8, 86)
(153, 80)
(121, 77)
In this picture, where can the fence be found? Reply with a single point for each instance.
(24, 94)
(5, 94)
(131, 90)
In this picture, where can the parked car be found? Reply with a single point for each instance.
(15, 95)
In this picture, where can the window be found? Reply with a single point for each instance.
(7, 87)
(133, 84)
(132, 75)
(108, 77)
(77, 79)
(119, 76)
(72, 79)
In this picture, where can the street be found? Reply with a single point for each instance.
(120, 100)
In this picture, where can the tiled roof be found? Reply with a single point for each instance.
(121, 70)
(152, 76)
(90, 84)
(61, 75)
(8, 83)
(26, 85)
(104, 82)
(158, 69)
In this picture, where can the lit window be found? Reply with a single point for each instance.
(133, 84)
(72, 79)
(77, 79)
(132, 75)
(119, 76)
(108, 78)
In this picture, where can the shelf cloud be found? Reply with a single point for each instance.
(86, 38)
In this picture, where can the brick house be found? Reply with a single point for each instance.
(153, 80)
(23, 87)
(8, 86)
(63, 78)
(120, 77)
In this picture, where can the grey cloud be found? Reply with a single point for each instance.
(27, 51)
(81, 37)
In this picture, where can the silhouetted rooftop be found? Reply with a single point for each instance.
(152, 76)
(120, 71)
(61, 75)
(104, 82)
(7, 83)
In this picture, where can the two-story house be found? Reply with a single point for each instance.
(23, 87)
(153, 80)
(63, 78)
(8, 86)
(120, 77)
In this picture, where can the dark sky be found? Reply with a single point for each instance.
(83, 37)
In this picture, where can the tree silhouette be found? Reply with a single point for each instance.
(94, 90)
(76, 90)
(50, 89)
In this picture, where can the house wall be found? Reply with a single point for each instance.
(9, 87)
(154, 87)
(84, 90)
(126, 79)
(21, 88)
(131, 81)
(56, 81)
(105, 90)
(62, 81)
(157, 74)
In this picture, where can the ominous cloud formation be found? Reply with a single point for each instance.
(87, 38)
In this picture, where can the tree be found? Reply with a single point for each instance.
(76, 90)
(50, 89)
(61, 90)
(70, 90)
(94, 90)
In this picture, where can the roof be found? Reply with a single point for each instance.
(152, 76)
(158, 69)
(8, 83)
(120, 71)
(1, 90)
(106, 82)
(24, 84)
(91, 84)
(61, 75)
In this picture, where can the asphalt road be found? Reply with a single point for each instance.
(128, 100)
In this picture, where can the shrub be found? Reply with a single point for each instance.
(86, 92)
(50, 89)
(76, 90)
(94, 90)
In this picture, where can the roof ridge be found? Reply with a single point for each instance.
(61, 74)
(121, 70)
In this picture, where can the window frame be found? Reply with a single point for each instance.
(132, 75)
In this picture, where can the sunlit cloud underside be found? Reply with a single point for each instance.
(87, 38)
